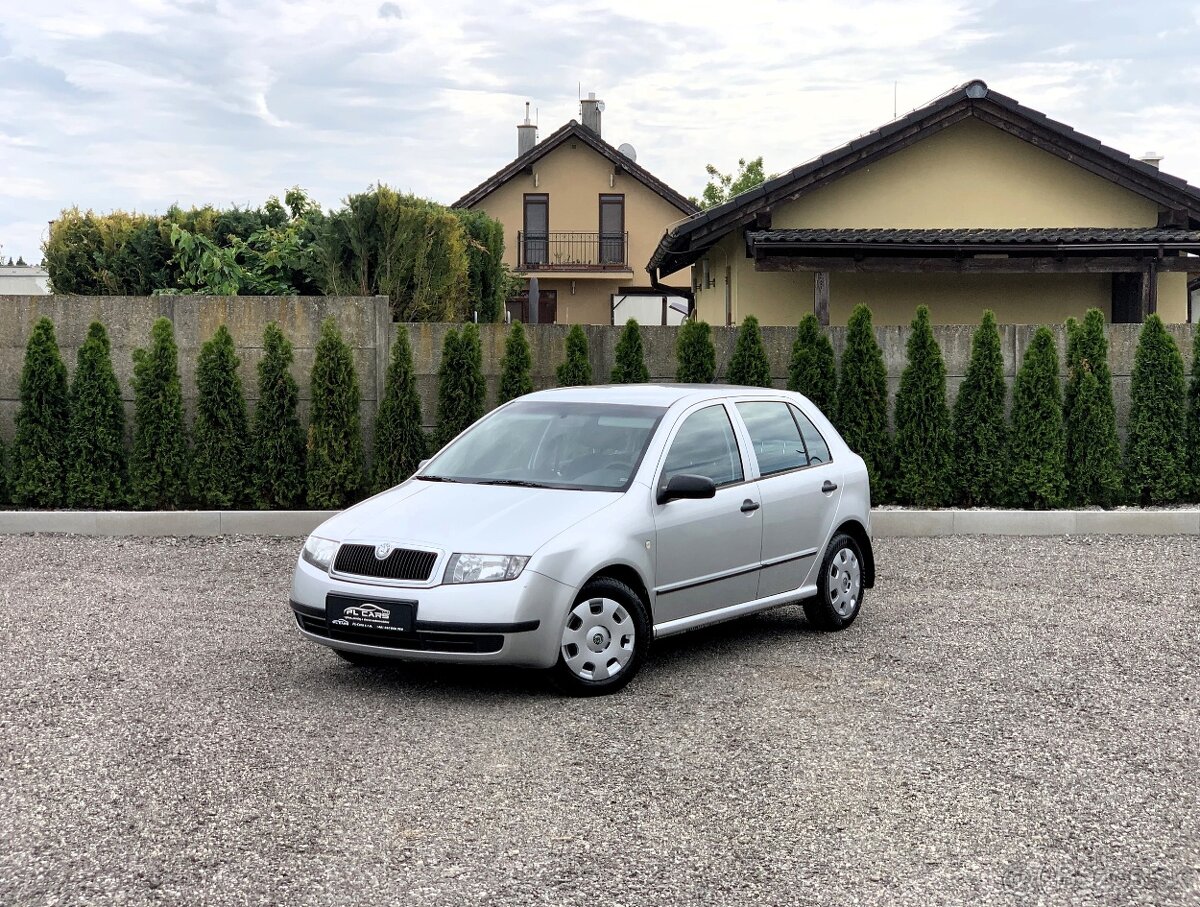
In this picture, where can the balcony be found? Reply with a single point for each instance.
(572, 251)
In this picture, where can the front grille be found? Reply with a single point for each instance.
(402, 564)
(420, 640)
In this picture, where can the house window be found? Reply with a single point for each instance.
(612, 229)
(536, 236)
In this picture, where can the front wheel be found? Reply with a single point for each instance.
(839, 586)
(604, 640)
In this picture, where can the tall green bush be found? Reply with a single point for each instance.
(400, 442)
(461, 387)
(695, 355)
(97, 467)
(277, 438)
(1037, 440)
(1193, 416)
(158, 467)
(923, 439)
(576, 369)
(862, 402)
(485, 264)
(979, 426)
(749, 364)
(630, 364)
(4, 492)
(219, 475)
(335, 447)
(39, 451)
(812, 370)
(1156, 467)
(1093, 450)
(515, 380)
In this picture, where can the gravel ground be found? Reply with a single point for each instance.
(1010, 721)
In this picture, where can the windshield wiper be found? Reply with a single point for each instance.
(435, 479)
(518, 483)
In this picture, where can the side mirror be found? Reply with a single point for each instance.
(423, 464)
(685, 486)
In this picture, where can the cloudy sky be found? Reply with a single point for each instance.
(137, 104)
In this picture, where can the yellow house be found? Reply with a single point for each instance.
(971, 202)
(580, 220)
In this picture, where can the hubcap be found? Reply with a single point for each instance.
(845, 582)
(598, 640)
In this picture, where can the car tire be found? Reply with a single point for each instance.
(839, 586)
(606, 633)
(360, 660)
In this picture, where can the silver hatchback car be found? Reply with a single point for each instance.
(569, 528)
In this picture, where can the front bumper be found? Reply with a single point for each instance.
(516, 622)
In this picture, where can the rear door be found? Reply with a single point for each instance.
(800, 488)
(708, 550)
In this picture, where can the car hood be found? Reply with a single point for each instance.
(483, 519)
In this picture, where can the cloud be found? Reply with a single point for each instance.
(390, 11)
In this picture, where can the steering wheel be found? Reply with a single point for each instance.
(624, 465)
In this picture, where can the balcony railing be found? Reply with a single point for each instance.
(573, 251)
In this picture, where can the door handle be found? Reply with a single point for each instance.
(829, 486)
(749, 506)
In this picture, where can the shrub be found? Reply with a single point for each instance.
(1037, 441)
(630, 364)
(400, 442)
(515, 380)
(749, 365)
(1193, 416)
(862, 401)
(277, 437)
(1155, 466)
(39, 451)
(979, 428)
(1093, 451)
(812, 370)
(97, 468)
(576, 369)
(923, 421)
(695, 355)
(485, 264)
(158, 467)
(335, 448)
(461, 388)
(220, 434)
(4, 494)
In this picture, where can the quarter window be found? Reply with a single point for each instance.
(776, 439)
(818, 450)
(705, 446)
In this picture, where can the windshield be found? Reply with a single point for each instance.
(546, 444)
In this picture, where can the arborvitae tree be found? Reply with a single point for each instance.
(749, 365)
(4, 496)
(158, 467)
(1156, 468)
(978, 426)
(1093, 450)
(335, 447)
(630, 364)
(576, 369)
(277, 438)
(474, 384)
(39, 452)
(1193, 416)
(400, 442)
(97, 468)
(219, 476)
(515, 380)
(461, 388)
(812, 370)
(923, 439)
(1037, 441)
(695, 355)
(862, 401)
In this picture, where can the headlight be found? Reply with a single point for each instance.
(319, 552)
(483, 568)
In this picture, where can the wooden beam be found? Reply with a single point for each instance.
(905, 265)
(1149, 290)
(821, 297)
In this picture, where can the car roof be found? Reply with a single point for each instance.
(649, 394)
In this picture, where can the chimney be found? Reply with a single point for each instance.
(1152, 159)
(526, 134)
(591, 110)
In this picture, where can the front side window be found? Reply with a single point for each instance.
(776, 439)
(705, 446)
(818, 450)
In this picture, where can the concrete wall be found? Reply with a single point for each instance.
(364, 323)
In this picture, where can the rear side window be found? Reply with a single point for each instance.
(777, 442)
(818, 450)
(705, 446)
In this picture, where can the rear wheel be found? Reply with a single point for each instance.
(839, 586)
(604, 641)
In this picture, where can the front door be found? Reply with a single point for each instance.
(708, 550)
(518, 307)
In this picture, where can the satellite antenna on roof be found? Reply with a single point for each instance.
(628, 150)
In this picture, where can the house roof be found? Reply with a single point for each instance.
(573, 130)
(687, 241)
(1021, 239)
